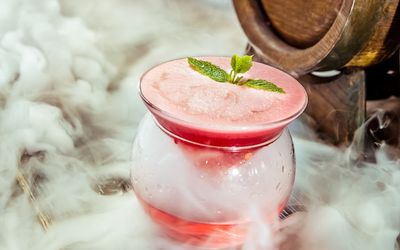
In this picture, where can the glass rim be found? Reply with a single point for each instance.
(223, 128)
(236, 148)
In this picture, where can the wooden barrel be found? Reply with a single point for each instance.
(302, 36)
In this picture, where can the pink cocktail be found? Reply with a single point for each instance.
(215, 152)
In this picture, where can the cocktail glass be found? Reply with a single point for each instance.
(202, 184)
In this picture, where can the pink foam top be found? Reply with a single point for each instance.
(179, 91)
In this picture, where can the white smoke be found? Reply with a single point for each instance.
(68, 115)
(349, 206)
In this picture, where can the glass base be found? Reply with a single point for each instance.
(200, 236)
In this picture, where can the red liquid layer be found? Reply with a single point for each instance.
(217, 138)
(212, 236)
(202, 235)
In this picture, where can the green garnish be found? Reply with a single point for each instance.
(240, 65)
(209, 69)
(264, 85)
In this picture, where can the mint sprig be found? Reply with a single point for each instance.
(240, 65)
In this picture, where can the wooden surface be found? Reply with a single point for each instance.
(337, 104)
(302, 23)
(289, 35)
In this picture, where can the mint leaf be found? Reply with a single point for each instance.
(234, 62)
(263, 84)
(208, 69)
(241, 64)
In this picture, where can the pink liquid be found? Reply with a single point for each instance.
(231, 115)
(202, 235)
